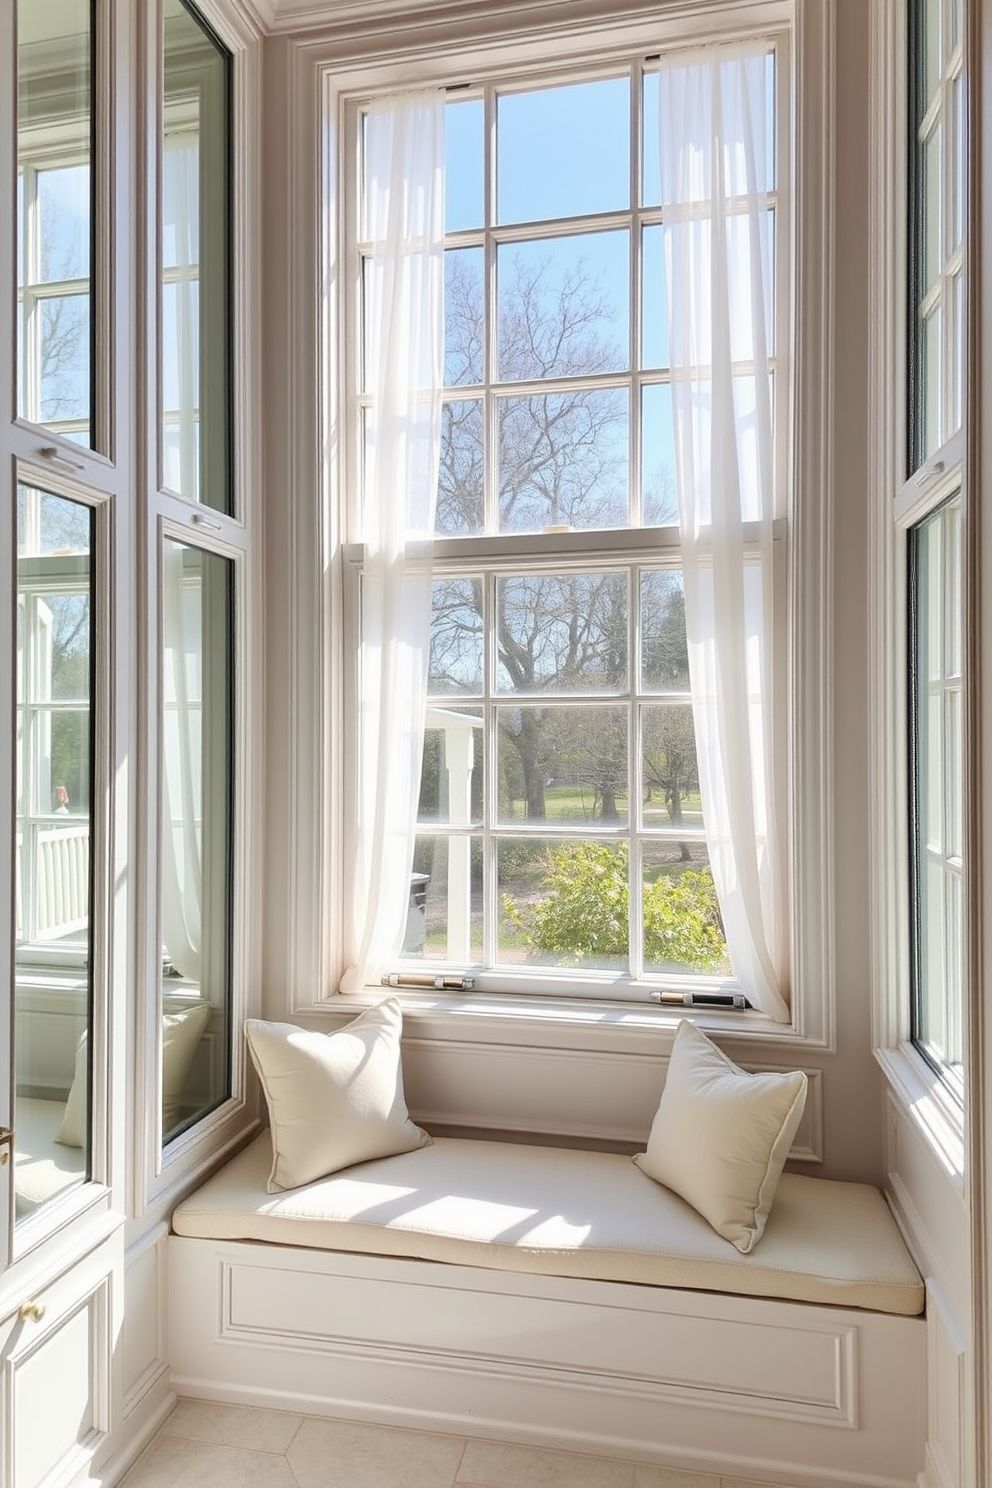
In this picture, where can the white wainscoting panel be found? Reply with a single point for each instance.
(807, 1395)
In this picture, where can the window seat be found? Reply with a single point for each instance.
(559, 1212)
(556, 1296)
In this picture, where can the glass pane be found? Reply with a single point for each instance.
(564, 460)
(464, 317)
(465, 159)
(958, 127)
(564, 306)
(683, 930)
(931, 205)
(451, 768)
(670, 801)
(195, 287)
(567, 766)
(562, 633)
(664, 650)
(53, 849)
(563, 152)
(54, 216)
(444, 918)
(937, 781)
(659, 476)
(456, 637)
(932, 52)
(196, 831)
(932, 382)
(654, 303)
(461, 500)
(562, 904)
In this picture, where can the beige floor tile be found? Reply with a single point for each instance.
(665, 1477)
(502, 1465)
(233, 1425)
(174, 1462)
(342, 1454)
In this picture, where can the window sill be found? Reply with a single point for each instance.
(930, 1105)
(558, 1022)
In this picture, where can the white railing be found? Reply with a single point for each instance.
(52, 898)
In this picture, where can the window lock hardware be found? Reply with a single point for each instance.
(31, 1312)
(929, 472)
(199, 520)
(701, 999)
(54, 456)
(426, 979)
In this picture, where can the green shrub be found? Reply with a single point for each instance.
(584, 911)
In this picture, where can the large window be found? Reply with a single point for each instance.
(560, 829)
(933, 521)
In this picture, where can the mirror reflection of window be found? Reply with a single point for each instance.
(195, 272)
(54, 217)
(53, 851)
(197, 688)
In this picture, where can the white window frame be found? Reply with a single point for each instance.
(341, 69)
(629, 549)
(902, 497)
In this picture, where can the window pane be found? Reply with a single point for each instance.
(936, 782)
(53, 860)
(564, 460)
(683, 930)
(670, 800)
(563, 904)
(933, 180)
(659, 476)
(451, 769)
(196, 272)
(54, 210)
(664, 650)
(562, 633)
(464, 316)
(196, 828)
(464, 150)
(456, 637)
(564, 306)
(654, 328)
(444, 916)
(461, 508)
(567, 766)
(563, 152)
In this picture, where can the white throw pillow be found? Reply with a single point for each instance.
(334, 1098)
(720, 1137)
(182, 1031)
(72, 1132)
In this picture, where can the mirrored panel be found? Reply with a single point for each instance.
(196, 792)
(195, 287)
(53, 847)
(55, 217)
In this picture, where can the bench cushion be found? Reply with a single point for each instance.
(559, 1212)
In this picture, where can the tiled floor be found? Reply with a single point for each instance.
(230, 1446)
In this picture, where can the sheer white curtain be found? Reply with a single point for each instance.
(717, 154)
(404, 349)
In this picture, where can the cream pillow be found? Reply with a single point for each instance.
(182, 1031)
(72, 1132)
(720, 1137)
(334, 1098)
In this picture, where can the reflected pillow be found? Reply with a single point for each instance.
(720, 1137)
(182, 1031)
(72, 1132)
(334, 1099)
